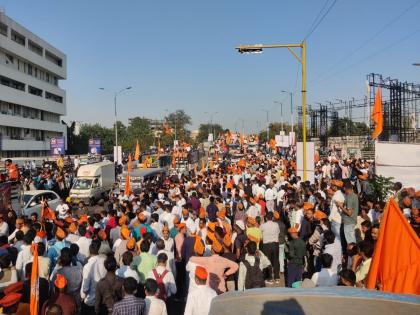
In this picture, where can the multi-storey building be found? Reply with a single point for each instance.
(31, 100)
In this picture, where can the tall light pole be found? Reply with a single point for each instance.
(211, 121)
(281, 114)
(115, 110)
(268, 126)
(245, 49)
(291, 106)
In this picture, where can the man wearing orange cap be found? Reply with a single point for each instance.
(295, 257)
(336, 201)
(217, 265)
(55, 246)
(199, 300)
(66, 301)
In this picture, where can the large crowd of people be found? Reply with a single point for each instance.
(176, 245)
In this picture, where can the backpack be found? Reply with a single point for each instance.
(161, 292)
(254, 276)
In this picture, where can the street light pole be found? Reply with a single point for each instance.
(281, 114)
(302, 59)
(291, 107)
(115, 110)
(268, 126)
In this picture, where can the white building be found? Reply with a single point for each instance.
(31, 100)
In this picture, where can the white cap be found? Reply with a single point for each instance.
(241, 224)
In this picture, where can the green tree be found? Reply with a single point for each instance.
(88, 131)
(205, 129)
(178, 122)
(138, 129)
(275, 129)
(348, 127)
(381, 186)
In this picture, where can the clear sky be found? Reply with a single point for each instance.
(180, 54)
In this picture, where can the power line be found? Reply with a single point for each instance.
(317, 17)
(320, 20)
(371, 55)
(369, 40)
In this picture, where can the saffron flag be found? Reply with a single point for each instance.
(272, 144)
(46, 212)
(34, 294)
(137, 152)
(129, 164)
(396, 261)
(377, 115)
(127, 186)
(203, 166)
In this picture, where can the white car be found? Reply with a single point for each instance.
(32, 201)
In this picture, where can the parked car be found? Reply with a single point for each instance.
(32, 201)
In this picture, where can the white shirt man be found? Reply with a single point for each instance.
(270, 232)
(325, 278)
(170, 264)
(23, 257)
(335, 214)
(93, 271)
(84, 243)
(4, 228)
(168, 280)
(155, 306)
(199, 300)
(126, 271)
(253, 211)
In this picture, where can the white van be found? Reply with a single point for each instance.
(93, 182)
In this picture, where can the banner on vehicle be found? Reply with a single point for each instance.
(95, 146)
(57, 146)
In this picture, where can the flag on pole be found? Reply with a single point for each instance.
(137, 152)
(377, 115)
(127, 186)
(395, 264)
(34, 294)
(158, 151)
(129, 164)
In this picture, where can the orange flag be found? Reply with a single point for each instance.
(211, 165)
(377, 115)
(137, 152)
(127, 186)
(129, 165)
(396, 260)
(272, 144)
(203, 166)
(34, 298)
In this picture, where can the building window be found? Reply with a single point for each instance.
(53, 58)
(3, 29)
(53, 97)
(29, 69)
(34, 90)
(16, 37)
(12, 83)
(10, 59)
(34, 47)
